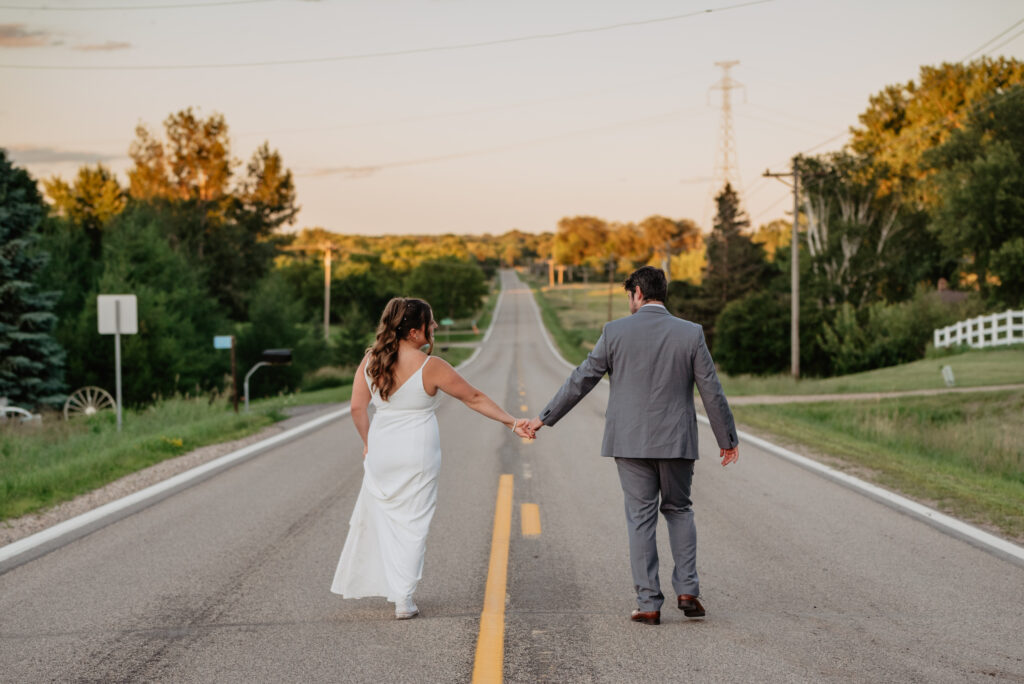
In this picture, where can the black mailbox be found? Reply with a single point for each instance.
(276, 356)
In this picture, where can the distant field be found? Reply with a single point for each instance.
(976, 368)
(574, 315)
(963, 454)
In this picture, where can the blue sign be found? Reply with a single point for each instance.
(222, 342)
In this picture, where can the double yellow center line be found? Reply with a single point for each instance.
(488, 665)
(490, 645)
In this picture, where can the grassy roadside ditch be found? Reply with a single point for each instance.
(47, 465)
(574, 315)
(963, 455)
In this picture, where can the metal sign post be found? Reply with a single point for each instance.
(117, 358)
(117, 315)
(228, 342)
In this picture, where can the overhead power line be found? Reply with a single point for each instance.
(369, 169)
(127, 8)
(992, 40)
(386, 53)
(1006, 42)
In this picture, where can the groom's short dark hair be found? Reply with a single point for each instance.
(651, 281)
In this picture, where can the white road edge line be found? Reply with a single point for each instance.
(490, 329)
(97, 517)
(944, 522)
(21, 551)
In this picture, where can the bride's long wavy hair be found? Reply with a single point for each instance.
(401, 316)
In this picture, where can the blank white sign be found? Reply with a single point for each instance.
(107, 314)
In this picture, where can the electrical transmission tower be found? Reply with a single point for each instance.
(726, 163)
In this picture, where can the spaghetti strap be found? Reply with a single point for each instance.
(366, 374)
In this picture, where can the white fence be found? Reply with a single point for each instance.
(994, 330)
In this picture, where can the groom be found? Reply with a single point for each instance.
(653, 360)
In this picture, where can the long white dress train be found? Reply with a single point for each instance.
(383, 554)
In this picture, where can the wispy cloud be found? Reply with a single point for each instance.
(18, 36)
(28, 154)
(103, 47)
(346, 171)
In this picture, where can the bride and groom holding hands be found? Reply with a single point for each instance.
(653, 361)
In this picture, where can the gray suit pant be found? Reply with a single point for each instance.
(643, 480)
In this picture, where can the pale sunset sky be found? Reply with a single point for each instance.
(434, 116)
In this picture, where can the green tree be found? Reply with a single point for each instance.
(980, 218)
(581, 240)
(735, 264)
(277, 321)
(666, 238)
(172, 351)
(771, 236)
(904, 121)
(752, 334)
(865, 244)
(452, 288)
(194, 164)
(228, 230)
(89, 203)
(31, 360)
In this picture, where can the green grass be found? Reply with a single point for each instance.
(576, 314)
(964, 455)
(976, 368)
(453, 355)
(41, 466)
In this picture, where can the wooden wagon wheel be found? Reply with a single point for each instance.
(87, 401)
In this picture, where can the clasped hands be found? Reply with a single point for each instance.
(527, 429)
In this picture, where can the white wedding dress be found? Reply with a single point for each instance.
(383, 554)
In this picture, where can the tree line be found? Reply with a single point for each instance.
(917, 222)
(928, 190)
(197, 237)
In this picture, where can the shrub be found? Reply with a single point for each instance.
(884, 334)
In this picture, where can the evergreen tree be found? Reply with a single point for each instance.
(31, 360)
(736, 264)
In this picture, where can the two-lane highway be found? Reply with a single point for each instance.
(228, 581)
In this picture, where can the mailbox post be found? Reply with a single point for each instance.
(269, 357)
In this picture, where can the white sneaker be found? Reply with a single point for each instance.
(405, 609)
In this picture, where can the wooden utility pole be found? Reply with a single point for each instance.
(327, 292)
(611, 284)
(327, 249)
(794, 282)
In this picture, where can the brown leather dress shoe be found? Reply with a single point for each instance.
(652, 617)
(690, 606)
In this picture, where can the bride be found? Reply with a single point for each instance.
(383, 554)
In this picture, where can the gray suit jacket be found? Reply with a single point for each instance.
(653, 360)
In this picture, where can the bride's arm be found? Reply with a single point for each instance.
(440, 374)
(360, 400)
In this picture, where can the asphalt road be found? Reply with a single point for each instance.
(228, 581)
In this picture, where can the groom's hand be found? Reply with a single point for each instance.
(535, 425)
(730, 455)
